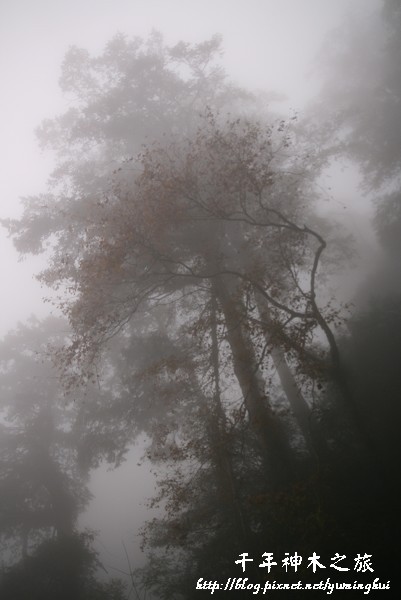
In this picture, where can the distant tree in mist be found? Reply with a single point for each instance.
(360, 111)
(43, 486)
(360, 106)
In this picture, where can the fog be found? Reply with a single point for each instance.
(201, 295)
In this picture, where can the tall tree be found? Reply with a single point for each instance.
(42, 486)
(115, 229)
(195, 214)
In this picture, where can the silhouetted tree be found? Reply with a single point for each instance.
(42, 487)
(43, 482)
(64, 568)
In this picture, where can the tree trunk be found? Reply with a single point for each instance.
(275, 448)
(305, 418)
(222, 459)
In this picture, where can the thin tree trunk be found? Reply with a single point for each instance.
(305, 418)
(275, 448)
(228, 490)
